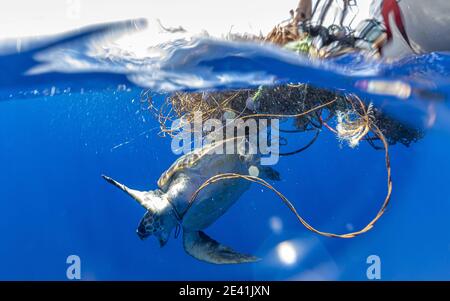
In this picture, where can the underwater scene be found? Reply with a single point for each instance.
(313, 147)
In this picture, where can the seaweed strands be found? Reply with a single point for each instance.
(352, 126)
(185, 106)
(287, 31)
(284, 33)
(285, 101)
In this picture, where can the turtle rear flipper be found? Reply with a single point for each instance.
(201, 246)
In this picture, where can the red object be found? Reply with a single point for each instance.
(391, 6)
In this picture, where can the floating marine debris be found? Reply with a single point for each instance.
(286, 101)
(352, 119)
(303, 33)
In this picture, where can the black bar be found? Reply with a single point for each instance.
(201, 290)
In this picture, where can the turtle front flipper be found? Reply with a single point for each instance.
(201, 246)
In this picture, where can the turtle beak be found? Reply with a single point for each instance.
(162, 243)
(141, 235)
(139, 196)
(163, 238)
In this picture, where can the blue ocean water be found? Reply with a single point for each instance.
(68, 115)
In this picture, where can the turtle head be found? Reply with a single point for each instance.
(155, 224)
(160, 217)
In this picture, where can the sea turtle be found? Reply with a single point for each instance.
(168, 206)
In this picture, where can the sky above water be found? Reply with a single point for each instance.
(20, 18)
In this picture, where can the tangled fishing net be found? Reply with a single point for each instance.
(310, 108)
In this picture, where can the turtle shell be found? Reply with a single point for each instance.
(190, 160)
